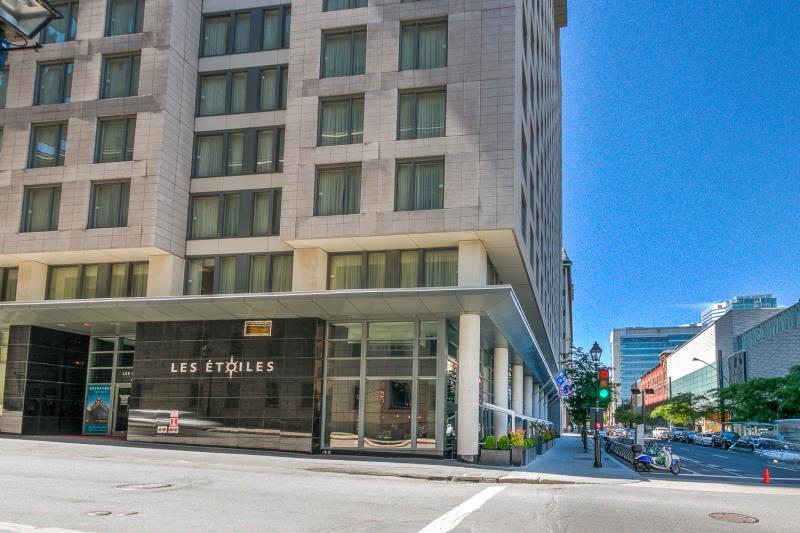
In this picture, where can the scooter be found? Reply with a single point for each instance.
(664, 460)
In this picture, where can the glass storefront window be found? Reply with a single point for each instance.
(426, 414)
(341, 413)
(387, 414)
(103, 344)
(390, 339)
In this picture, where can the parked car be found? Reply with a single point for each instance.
(773, 435)
(724, 439)
(660, 432)
(675, 433)
(747, 443)
(688, 436)
(703, 439)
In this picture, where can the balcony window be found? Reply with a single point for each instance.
(421, 114)
(419, 185)
(124, 16)
(8, 284)
(48, 145)
(341, 121)
(40, 209)
(338, 5)
(120, 76)
(63, 29)
(53, 83)
(109, 204)
(344, 53)
(423, 45)
(115, 139)
(338, 191)
(273, 88)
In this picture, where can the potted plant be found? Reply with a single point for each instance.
(522, 449)
(495, 452)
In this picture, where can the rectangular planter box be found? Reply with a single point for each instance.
(522, 456)
(494, 457)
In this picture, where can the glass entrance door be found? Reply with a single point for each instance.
(122, 394)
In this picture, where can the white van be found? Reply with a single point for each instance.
(660, 433)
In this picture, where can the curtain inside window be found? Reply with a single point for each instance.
(262, 213)
(359, 53)
(336, 61)
(209, 155)
(402, 189)
(269, 90)
(119, 280)
(376, 270)
(433, 45)
(123, 17)
(408, 47)
(63, 283)
(272, 29)
(346, 271)
(89, 285)
(133, 85)
(110, 205)
(235, 153)
(227, 275)
(265, 157)
(281, 273)
(338, 191)
(212, 95)
(241, 33)
(429, 185)
(334, 123)
(215, 36)
(130, 137)
(409, 268)
(287, 26)
(284, 86)
(430, 115)
(54, 83)
(230, 215)
(406, 127)
(46, 142)
(357, 121)
(139, 279)
(336, 5)
(239, 92)
(441, 268)
(112, 141)
(205, 214)
(10, 287)
(258, 274)
(201, 276)
(43, 206)
(115, 84)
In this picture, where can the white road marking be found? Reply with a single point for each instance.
(720, 456)
(9, 527)
(453, 517)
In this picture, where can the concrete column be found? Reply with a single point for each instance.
(469, 364)
(309, 270)
(536, 401)
(527, 396)
(31, 281)
(516, 387)
(500, 383)
(165, 275)
(472, 264)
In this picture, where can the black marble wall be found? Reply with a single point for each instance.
(220, 383)
(45, 381)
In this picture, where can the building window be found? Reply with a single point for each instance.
(419, 185)
(232, 33)
(63, 29)
(40, 208)
(338, 5)
(218, 274)
(393, 268)
(341, 121)
(345, 271)
(270, 273)
(266, 212)
(120, 76)
(124, 16)
(53, 83)
(48, 145)
(109, 204)
(104, 280)
(441, 268)
(237, 214)
(8, 284)
(274, 81)
(421, 114)
(238, 152)
(115, 139)
(423, 45)
(3, 87)
(338, 191)
(227, 92)
(344, 53)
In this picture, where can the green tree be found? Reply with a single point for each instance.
(626, 415)
(581, 368)
(789, 394)
(756, 400)
(683, 409)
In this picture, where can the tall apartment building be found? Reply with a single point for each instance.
(754, 301)
(308, 225)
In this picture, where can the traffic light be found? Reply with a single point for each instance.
(603, 390)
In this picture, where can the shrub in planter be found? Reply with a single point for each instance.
(490, 443)
(503, 443)
(491, 455)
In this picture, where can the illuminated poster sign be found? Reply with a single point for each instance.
(230, 367)
(258, 328)
(98, 409)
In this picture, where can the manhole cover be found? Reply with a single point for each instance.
(144, 486)
(98, 513)
(736, 518)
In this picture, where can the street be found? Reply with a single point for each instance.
(88, 487)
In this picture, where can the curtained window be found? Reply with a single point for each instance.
(277, 24)
(205, 217)
(441, 268)
(270, 273)
(423, 45)
(53, 83)
(269, 151)
(115, 139)
(419, 185)
(337, 5)
(338, 191)
(343, 53)
(40, 209)
(281, 275)
(231, 214)
(238, 152)
(265, 213)
(421, 114)
(139, 273)
(8, 291)
(3, 87)
(241, 33)
(341, 121)
(376, 270)
(215, 35)
(226, 282)
(209, 156)
(48, 145)
(63, 29)
(345, 271)
(238, 92)
(213, 94)
(124, 16)
(62, 283)
(273, 88)
(109, 208)
(235, 154)
(119, 281)
(120, 76)
(89, 281)
(200, 275)
(409, 268)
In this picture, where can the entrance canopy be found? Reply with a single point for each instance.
(114, 316)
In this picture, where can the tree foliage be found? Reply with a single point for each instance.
(764, 399)
(581, 368)
(627, 415)
(684, 409)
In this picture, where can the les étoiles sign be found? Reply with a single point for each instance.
(230, 367)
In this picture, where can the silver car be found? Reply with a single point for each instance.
(703, 439)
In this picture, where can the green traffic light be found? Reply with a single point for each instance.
(603, 394)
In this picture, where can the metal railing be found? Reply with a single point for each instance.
(514, 415)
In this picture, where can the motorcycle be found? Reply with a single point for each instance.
(662, 460)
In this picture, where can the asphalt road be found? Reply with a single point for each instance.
(704, 464)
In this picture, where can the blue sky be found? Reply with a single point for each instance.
(681, 158)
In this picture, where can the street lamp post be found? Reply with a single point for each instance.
(596, 351)
(721, 382)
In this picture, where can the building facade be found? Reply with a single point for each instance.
(767, 350)
(656, 380)
(308, 225)
(636, 350)
(753, 301)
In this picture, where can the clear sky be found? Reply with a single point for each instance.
(681, 158)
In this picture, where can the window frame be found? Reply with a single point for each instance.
(257, 15)
(246, 213)
(4, 272)
(250, 150)
(414, 162)
(349, 98)
(347, 167)
(416, 93)
(72, 7)
(128, 73)
(283, 85)
(241, 269)
(24, 225)
(270, 256)
(93, 198)
(138, 19)
(103, 287)
(62, 133)
(342, 31)
(253, 89)
(416, 24)
(350, 5)
(391, 265)
(64, 89)
(99, 135)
